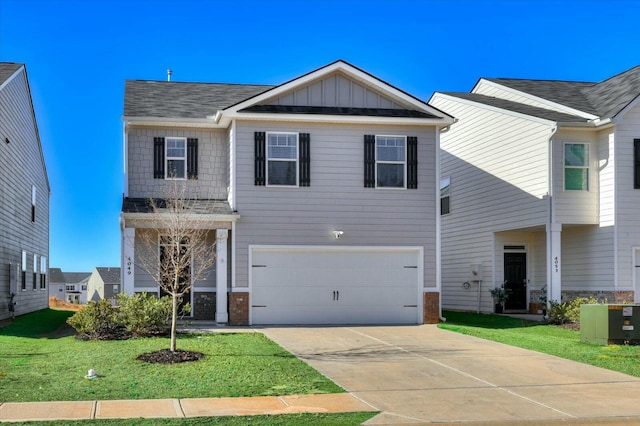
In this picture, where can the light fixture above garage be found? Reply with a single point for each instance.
(338, 234)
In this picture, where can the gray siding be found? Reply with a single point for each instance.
(334, 91)
(336, 198)
(22, 167)
(213, 163)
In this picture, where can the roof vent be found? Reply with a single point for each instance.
(169, 72)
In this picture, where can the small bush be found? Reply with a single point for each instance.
(143, 314)
(568, 312)
(95, 320)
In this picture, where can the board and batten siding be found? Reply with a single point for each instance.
(213, 163)
(334, 91)
(22, 167)
(498, 164)
(627, 202)
(336, 198)
(572, 206)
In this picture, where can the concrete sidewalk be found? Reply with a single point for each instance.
(180, 408)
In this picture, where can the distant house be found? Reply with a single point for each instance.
(68, 286)
(541, 191)
(24, 195)
(320, 194)
(104, 283)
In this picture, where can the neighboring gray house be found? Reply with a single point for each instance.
(541, 190)
(324, 190)
(24, 199)
(104, 283)
(68, 286)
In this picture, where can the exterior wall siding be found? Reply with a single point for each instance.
(490, 90)
(498, 165)
(22, 167)
(335, 91)
(213, 163)
(336, 198)
(587, 258)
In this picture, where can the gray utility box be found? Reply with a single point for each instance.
(610, 324)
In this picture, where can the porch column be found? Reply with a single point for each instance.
(222, 316)
(128, 260)
(554, 262)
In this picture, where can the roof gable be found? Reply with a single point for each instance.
(7, 69)
(109, 275)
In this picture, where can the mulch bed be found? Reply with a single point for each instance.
(165, 356)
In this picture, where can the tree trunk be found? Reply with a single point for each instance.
(174, 321)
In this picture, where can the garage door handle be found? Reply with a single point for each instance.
(338, 295)
(258, 306)
(410, 306)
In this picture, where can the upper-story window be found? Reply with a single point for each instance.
(282, 159)
(445, 195)
(391, 161)
(70, 287)
(33, 203)
(176, 158)
(576, 166)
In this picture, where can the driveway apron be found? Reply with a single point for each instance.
(421, 374)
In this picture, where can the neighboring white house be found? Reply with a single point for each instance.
(68, 286)
(324, 192)
(24, 199)
(541, 190)
(104, 283)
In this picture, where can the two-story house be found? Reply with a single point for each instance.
(24, 199)
(68, 286)
(104, 283)
(540, 189)
(321, 192)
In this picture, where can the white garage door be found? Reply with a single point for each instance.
(326, 285)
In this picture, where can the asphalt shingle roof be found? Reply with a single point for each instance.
(109, 275)
(7, 69)
(168, 99)
(76, 277)
(605, 99)
(56, 275)
(142, 205)
(518, 107)
(373, 112)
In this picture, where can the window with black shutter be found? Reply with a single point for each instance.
(412, 162)
(390, 161)
(158, 158)
(192, 158)
(369, 161)
(636, 163)
(304, 157)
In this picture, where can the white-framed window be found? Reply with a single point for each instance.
(116, 288)
(43, 272)
(23, 278)
(576, 166)
(35, 272)
(33, 204)
(84, 287)
(282, 159)
(176, 158)
(445, 195)
(391, 161)
(70, 287)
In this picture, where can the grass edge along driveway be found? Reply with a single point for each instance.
(544, 338)
(37, 364)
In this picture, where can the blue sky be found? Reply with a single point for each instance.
(78, 54)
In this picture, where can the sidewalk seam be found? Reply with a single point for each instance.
(283, 401)
(94, 408)
(179, 409)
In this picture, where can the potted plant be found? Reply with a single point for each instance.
(500, 296)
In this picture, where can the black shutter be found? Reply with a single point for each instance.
(636, 163)
(192, 158)
(305, 159)
(260, 158)
(369, 161)
(412, 162)
(158, 158)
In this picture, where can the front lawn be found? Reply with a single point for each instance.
(548, 339)
(38, 365)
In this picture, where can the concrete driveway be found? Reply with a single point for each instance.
(422, 374)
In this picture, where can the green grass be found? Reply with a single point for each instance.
(337, 419)
(38, 368)
(548, 339)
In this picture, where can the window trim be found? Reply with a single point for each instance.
(404, 162)
(167, 158)
(23, 278)
(586, 167)
(296, 160)
(442, 197)
(33, 203)
(43, 272)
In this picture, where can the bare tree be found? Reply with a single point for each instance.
(175, 251)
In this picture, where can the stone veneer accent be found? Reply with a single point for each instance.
(204, 305)
(431, 308)
(238, 308)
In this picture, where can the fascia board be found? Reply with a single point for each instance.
(146, 220)
(494, 109)
(171, 122)
(351, 119)
(351, 71)
(571, 111)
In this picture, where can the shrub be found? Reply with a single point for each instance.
(143, 314)
(95, 320)
(568, 312)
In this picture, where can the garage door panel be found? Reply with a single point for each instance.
(300, 285)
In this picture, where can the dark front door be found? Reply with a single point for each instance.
(515, 277)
